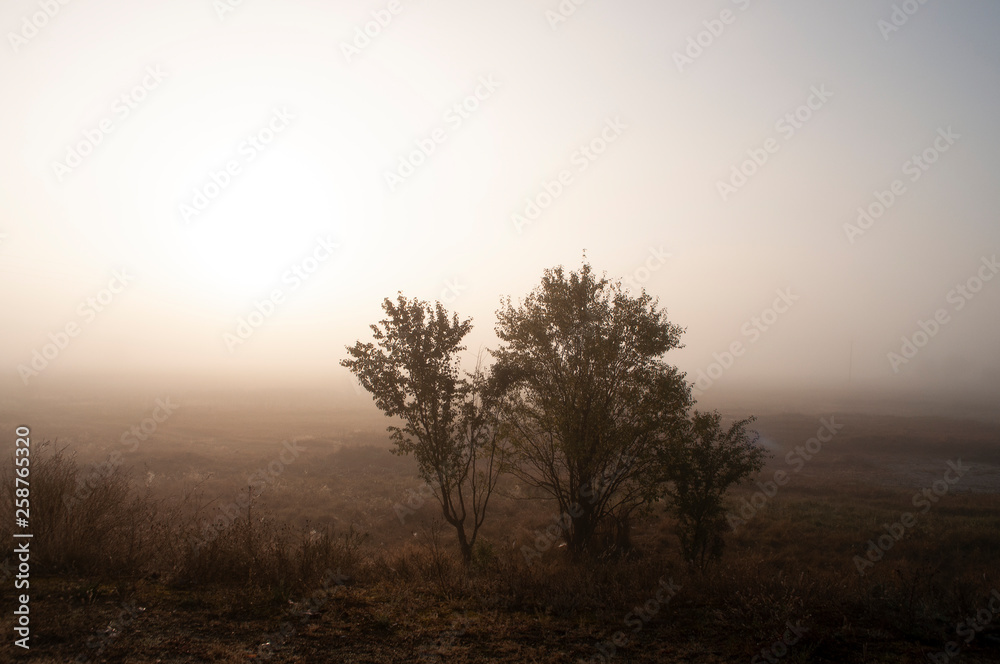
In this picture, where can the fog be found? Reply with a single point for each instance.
(205, 196)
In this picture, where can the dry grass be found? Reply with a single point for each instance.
(120, 570)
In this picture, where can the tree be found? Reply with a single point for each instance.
(700, 466)
(412, 371)
(588, 397)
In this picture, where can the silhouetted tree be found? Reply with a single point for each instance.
(589, 400)
(700, 465)
(412, 371)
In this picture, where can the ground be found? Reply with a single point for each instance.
(403, 596)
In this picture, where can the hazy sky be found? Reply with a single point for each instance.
(118, 117)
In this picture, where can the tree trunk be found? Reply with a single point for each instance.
(623, 534)
(583, 532)
(464, 544)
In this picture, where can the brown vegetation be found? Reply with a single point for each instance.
(319, 568)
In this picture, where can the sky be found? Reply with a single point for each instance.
(223, 191)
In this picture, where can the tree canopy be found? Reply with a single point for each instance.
(412, 370)
(590, 398)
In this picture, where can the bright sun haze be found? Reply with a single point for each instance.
(461, 150)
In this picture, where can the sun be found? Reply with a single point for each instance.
(266, 223)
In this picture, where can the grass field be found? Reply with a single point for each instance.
(870, 549)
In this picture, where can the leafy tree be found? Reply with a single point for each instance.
(412, 371)
(700, 465)
(588, 398)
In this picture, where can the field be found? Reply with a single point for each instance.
(880, 545)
